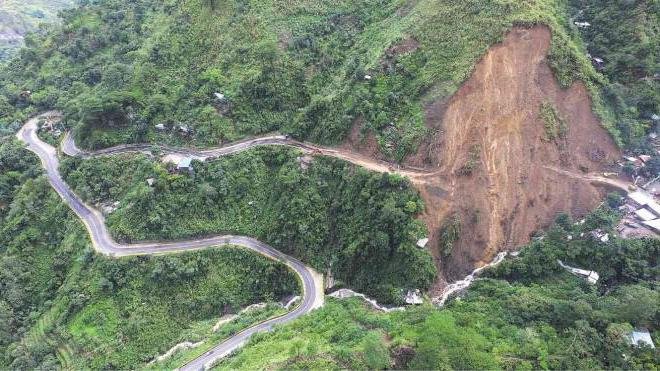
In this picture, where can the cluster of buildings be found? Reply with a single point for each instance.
(642, 210)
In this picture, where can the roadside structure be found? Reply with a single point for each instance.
(641, 336)
(185, 165)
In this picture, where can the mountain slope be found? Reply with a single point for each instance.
(18, 17)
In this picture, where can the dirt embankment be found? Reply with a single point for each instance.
(491, 149)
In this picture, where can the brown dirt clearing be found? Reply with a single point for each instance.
(492, 124)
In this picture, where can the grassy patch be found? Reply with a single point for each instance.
(555, 126)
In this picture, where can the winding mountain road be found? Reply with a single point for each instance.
(312, 282)
(416, 175)
(104, 244)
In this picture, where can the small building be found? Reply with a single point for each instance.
(367, 77)
(645, 158)
(185, 129)
(654, 207)
(598, 63)
(150, 182)
(422, 242)
(413, 297)
(160, 127)
(639, 198)
(645, 215)
(219, 96)
(641, 336)
(185, 164)
(591, 276)
(582, 24)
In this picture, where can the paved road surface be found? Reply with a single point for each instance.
(415, 174)
(103, 243)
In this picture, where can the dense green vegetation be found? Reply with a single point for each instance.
(555, 126)
(61, 304)
(527, 313)
(118, 68)
(357, 224)
(626, 35)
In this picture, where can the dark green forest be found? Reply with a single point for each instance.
(358, 225)
(626, 36)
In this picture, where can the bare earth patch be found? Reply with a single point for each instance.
(489, 149)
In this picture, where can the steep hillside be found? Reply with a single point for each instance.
(18, 17)
(397, 80)
(526, 313)
(309, 68)
(497, 150)
(62, 305)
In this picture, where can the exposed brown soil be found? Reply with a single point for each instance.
(494, 118)
(406, 45)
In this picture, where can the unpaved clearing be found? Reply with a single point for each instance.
(512, 190)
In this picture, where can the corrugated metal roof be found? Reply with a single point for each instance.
(640, 197)
(654, 207)
(184, 163)
(645, 215)
(654, 224)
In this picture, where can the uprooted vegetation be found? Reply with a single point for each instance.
(491, 158)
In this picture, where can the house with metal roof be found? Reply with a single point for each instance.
(641, 336)
(185, 164)
(645, 215)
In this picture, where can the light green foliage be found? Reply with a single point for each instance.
(527, 313)
(555, 126)
(358, 224)
(474, 156)
(61, 304)
(449, 234)
(17, 17)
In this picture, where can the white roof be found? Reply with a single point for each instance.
(645, 215)
(413, 297)
(653, 206)
(185, 162)
(641, 336)
(422, 242)
(653, 224)
(640, 197)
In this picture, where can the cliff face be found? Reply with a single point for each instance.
(496, 150)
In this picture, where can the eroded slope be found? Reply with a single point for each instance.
(492, 150)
